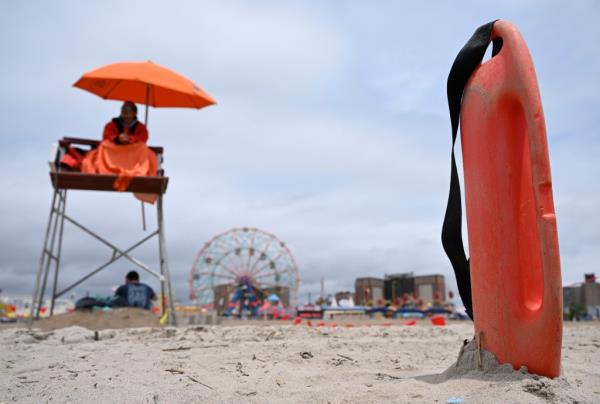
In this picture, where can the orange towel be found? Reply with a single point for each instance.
(126, 161)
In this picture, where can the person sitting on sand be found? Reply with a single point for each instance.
(134, 293)
(126, 129)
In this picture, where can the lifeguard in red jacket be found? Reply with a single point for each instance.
(126, 129)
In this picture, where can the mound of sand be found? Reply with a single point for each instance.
(473, 363)
(100, 320)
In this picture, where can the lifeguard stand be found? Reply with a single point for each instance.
(64, 180)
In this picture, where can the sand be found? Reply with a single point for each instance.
(282, 363)
(100, 319)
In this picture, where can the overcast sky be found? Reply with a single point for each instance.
(331, 129)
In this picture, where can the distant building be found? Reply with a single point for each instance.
(591, 298)
(584, 297)
(347, 295)
(398, 285)
(222, 296)
(572, 295)
(430, 288)
(368, 290)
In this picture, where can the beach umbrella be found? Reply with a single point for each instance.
(144, 83)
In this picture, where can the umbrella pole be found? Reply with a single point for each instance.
(147, 102)
(145, 123)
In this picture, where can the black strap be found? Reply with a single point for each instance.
(467, 60)
(121, 127)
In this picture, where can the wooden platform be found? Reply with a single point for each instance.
(64, 179)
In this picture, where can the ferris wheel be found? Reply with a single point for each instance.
(242, 258)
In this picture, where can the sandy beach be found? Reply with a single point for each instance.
(277, 362)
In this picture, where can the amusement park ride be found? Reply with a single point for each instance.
(235, 272)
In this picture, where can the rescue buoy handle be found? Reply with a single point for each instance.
(467, 60)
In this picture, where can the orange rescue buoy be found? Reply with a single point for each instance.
(513, 242)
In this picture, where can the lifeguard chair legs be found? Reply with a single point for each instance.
(165, 284)
(51, 253)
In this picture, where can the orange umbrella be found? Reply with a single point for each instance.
(144, 83)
